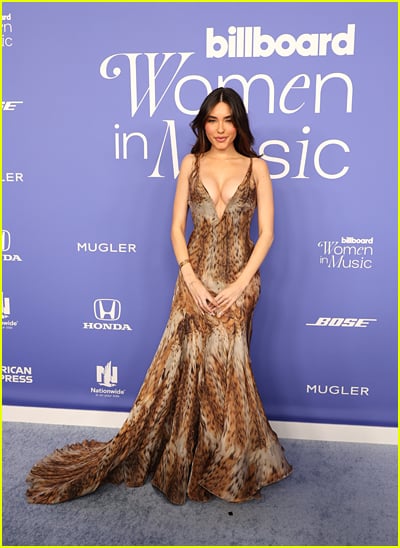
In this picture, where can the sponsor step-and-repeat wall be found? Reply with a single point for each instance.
(97, 101)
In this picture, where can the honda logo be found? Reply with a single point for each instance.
(6, 240)
(107, 309)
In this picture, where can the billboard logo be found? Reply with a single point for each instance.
(6, 245)
(107, 312)
(107, 375)
(343, 322)
(348, 253)
(250, 42)
(6, 28)
(352, 240)
(107, 309)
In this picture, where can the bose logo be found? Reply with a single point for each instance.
(342, 322)
(109, 309)
(11, 105)
(249, 42)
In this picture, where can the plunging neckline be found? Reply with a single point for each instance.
(245, 178)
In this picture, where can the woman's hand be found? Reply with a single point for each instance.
(202, 297)
(228, 296)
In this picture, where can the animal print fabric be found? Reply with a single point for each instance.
(197, 427)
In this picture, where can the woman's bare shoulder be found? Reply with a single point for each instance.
(260, 169)
(187, 163)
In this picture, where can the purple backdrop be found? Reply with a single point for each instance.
(97, 100)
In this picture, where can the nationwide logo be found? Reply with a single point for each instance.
(6, 307)
(347, 253)
(8, 323)
(6, 30)
(13, 177)
(342, 322)
(337, 390)
(252, 42)
(104, 247)
(6, 245)
(17, 374)
(108, 312)
(107, 375)
(107, 378)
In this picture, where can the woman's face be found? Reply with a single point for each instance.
(219, 127)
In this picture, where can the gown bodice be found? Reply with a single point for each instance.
(219, 247)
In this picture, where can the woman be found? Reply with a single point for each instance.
(198, 425)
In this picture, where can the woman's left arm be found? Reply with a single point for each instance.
(265, 208)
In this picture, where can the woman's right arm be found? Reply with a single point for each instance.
(200, 294)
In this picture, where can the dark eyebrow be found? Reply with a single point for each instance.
(225, 117)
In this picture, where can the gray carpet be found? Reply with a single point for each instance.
(340, 494)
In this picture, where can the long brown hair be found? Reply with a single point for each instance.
(244, 140)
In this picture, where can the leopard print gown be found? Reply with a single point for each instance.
(198, 426)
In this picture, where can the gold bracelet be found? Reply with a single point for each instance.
(183, 263)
